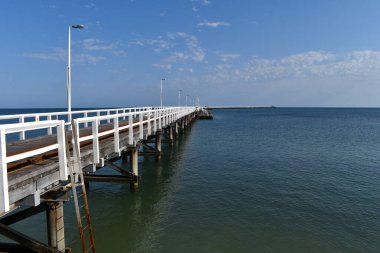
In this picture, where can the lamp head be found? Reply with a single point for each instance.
(78, 26)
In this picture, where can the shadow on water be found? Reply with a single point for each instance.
(123, 221)
(126, 221)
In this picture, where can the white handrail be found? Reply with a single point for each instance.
(4, 159)
(46, 116)
(161, 118)
(34, 117)
(147, 119)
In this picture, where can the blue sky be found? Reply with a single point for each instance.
(243, 52)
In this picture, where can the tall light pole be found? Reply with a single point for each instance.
(179, 97)
(69, 71)
(162, 79)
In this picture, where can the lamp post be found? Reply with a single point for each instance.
(162, 79)
(179, 98)
(69, 71)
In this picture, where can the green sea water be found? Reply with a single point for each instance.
(269, 180)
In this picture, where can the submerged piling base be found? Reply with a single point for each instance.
(55, 225)
(134, 163)
(158, 144)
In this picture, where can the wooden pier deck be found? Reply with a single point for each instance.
(42, 171)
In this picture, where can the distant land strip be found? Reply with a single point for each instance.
(241, 107)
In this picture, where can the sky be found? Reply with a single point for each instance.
(312, 53)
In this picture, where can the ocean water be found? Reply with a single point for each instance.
(265, 180)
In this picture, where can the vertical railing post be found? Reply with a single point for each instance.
(163, 117)
(141, 129)
(116, 135)
(130, 129)
(85, 116)
(155, 121)
(22, 133)
(159, 119)
(63, 173)
(4, 195)
(50, 129)
(149, 124)
(166, 117)
(108, 120)
(95, 141)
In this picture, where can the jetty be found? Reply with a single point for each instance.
(242, 107)
(45, 159)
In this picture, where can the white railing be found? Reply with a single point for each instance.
(153, 118)
(4, 159)
(64, 115)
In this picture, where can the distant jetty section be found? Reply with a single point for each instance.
(241, 107)
(204, 114)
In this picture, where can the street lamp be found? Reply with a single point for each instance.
(179, 97)
(69, 71)
(162, 79)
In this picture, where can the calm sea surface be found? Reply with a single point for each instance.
(267, 180)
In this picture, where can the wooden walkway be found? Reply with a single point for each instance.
(42, 171)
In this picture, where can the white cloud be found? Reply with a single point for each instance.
(88, 59)
(89, 6)
(157, 45)
(227, 57)
(162, 66)
(191, 51)
(178, 46)
(92, 44)
(204, 2)
(97, 44)
(214, 24)
(310, 64)
(56, 54)
(60, 54)
(97, 50)
(190, 70)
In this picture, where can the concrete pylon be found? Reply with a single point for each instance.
(55, 225)
(134, 162)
